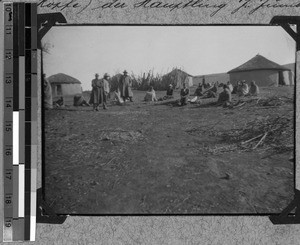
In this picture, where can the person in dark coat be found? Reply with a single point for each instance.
(169, 94)
(125, 85)
(96, 92)
(225, 97)
(254, 90)
(199, 90)
(184, 93)
(105, 89)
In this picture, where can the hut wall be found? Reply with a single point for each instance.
(71, 89)
(263, 78)
(66, 89)
(288, 77)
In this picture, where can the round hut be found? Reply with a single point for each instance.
(263, 71)
(64, 85)
(177, 77)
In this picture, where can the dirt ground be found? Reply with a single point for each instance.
(157, 158)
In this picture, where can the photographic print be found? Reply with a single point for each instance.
(168, 119)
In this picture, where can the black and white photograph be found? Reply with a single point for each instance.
(168, 119)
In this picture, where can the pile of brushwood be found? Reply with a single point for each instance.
(272, 101)
(266, 134)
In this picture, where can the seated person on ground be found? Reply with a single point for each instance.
(199, 90)
(205, 85)
(117, 97)
(225, 96)
(59, 102)
(230, 86)
(212, 92)
(79, 101)
(236, 88)
(184, 93)
(169, 94)
(150, 95)
(254, 90)
(243, 89)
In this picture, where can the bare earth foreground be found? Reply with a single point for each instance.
(164, 159)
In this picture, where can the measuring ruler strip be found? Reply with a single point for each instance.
(8, 122)
(15, 120)
(18, 220)
(20, 121)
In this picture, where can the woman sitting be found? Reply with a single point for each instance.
(254, 90)
(150, 95)
(225, 97)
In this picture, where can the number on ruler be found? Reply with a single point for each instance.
(8, 79)
(8, 30)
(8, 152)
(8, 174)
(8, 8)
(8, 127)
(8, 222)
(8, 103)
(8, 55)
(8, 199)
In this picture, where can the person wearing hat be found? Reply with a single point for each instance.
(96, 92)
(104, 90)
(125, 85)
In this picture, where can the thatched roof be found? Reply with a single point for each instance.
(259, 63)
(62, 78)
(176, 71)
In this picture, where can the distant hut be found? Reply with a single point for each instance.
(64, 85)
(263, 71)
(177, 78)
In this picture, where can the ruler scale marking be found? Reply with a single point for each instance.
(20, 121)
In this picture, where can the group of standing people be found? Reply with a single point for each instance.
(101, 89)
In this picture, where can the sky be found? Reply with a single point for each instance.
(82, 51)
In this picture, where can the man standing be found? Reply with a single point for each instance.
(125, 87)
(184, 93)
(96, 92)
(104, 90)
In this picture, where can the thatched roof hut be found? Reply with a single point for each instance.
(177, 77)
(265, 72)
(64, 85)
